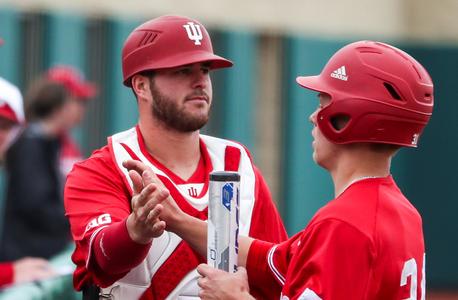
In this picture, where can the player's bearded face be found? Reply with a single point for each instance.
(175, 114)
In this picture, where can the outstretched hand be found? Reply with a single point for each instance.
(152, 207)
(219, 285)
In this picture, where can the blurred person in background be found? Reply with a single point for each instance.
(37, 163)
(11, 122)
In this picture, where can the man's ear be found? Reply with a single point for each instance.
(141, 86)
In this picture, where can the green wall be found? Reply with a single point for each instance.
(10, 58)
(120, 103)
(234, 88)
(428, 175)
(65, 40)
(306, 187)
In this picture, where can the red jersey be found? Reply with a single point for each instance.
(97, 202)
(365, 244)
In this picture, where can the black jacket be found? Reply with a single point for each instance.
(34, 222)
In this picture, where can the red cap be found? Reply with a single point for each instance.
(73, 81)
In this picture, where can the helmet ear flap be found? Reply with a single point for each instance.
(339, 121)
(333, 123)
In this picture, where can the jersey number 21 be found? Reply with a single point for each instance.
(410, 269)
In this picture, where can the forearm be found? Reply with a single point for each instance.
(194, 232)
(115, 252)
(244, 248)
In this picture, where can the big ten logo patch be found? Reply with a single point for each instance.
(100, 220)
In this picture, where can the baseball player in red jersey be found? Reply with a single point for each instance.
(167, 63)
(367, 243)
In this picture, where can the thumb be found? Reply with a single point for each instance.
(204, 270)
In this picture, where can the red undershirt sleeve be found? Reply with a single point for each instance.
(259, 274)
(6, 273)
(114, 252)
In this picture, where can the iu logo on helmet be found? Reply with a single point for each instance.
(194, 32)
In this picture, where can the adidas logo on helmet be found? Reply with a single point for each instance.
(340, 74)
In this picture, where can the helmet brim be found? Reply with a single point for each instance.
(314, 83)
(182, 59)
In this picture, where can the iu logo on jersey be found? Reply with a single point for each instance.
(194, 32)
(192, 192)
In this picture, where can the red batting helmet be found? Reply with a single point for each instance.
(166, 42)
(384, 92)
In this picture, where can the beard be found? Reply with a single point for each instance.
(174, 117)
